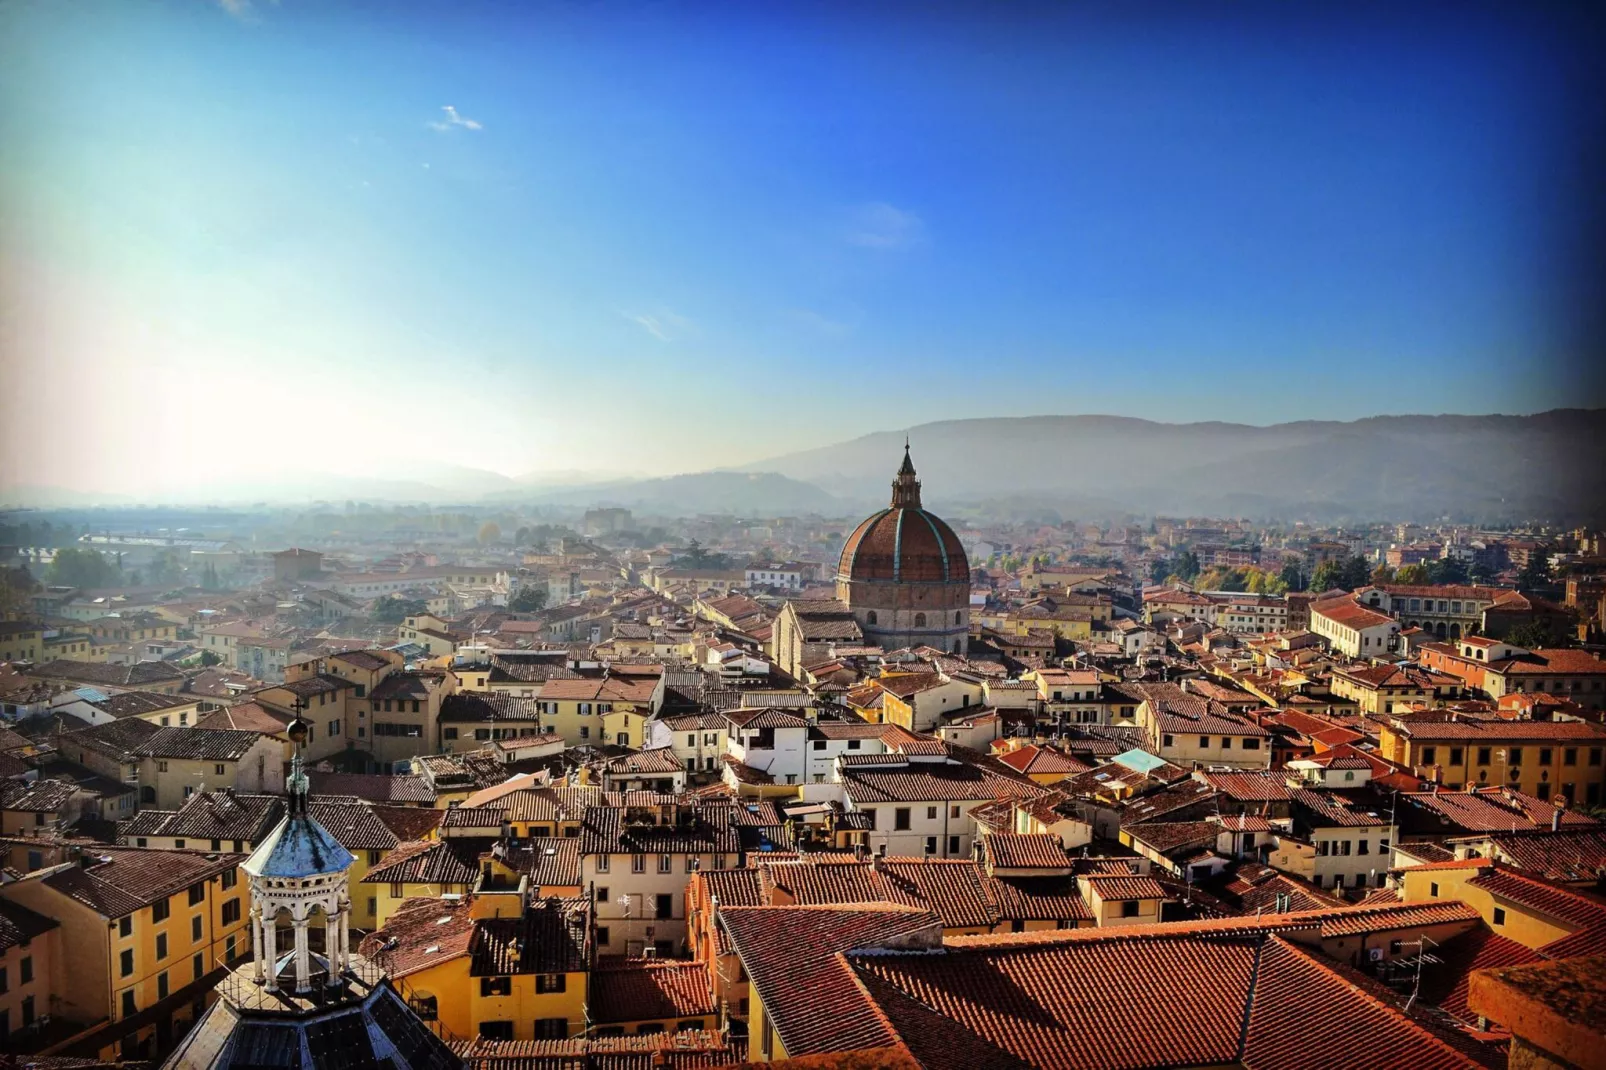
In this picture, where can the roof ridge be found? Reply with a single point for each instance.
(1249, 996)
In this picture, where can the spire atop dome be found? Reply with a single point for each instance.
(906, 487)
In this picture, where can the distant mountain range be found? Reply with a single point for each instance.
(1551, 466)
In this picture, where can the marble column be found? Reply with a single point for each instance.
(303, 956)
(256, 942)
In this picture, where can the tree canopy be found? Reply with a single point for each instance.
(529, 599)
(74, 567)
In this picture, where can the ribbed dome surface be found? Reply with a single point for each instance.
(904, 544)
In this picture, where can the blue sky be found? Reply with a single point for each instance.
(658, 237)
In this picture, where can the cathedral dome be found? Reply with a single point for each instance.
(904, 543)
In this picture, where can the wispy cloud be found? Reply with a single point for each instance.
(244, 10)
(822, 324)
(662, 324)
(443, 125)
(879, 225)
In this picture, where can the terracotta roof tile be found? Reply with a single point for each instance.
(791, 955)
(420, 934)
(1008, 850)
(131, 878)
(642, 990)
(546, 939)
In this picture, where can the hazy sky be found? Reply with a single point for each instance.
(243, 238)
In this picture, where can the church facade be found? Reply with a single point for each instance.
(904, 575)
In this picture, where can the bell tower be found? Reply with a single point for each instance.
(906, 486)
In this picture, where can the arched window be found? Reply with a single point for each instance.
(957, 618)
(920, 620)
(1455, 631)
(870, 617)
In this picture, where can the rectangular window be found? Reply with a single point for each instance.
(1251, 743)
(496, 986)
(198, 964)
(953, 845)
(1433, 890)
(603, 863)
(666, 863)
(195, 929)
(552, 1028)
(603, 936)
(1569, 756)
(125, 925)
(1129, 908)
(496, 1030)
(664, 906)
(931, 845)
(1166, 741)
(638, 863)
(1544, 755)
(1455, 756)
(231, 911)
(159, 910)
(161, 946)
(1430, 755)
(161, 985)
(1499, 915)
(198, 892)
(1484, 755)
(125, 963)
(1514, 756)
(130, 1008)
(900, 819)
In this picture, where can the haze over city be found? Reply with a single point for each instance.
(916, 536)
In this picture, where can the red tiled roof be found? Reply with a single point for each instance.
(793, 961)
(1567, 855)
(1037, 759)
(131, 878)
(1445, 986)
(639, 990)
(1350, 614)
(1498, 731)
(931, 782)
(1175, 995)
(428, 862)
(1053, 899)
(1492, 810)
(1566, 662)
(950, 888)
(425, 931)
(1564, 904)
(1110, 886)
(1283, 1032)
(1250, 787)
(1008, 850)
